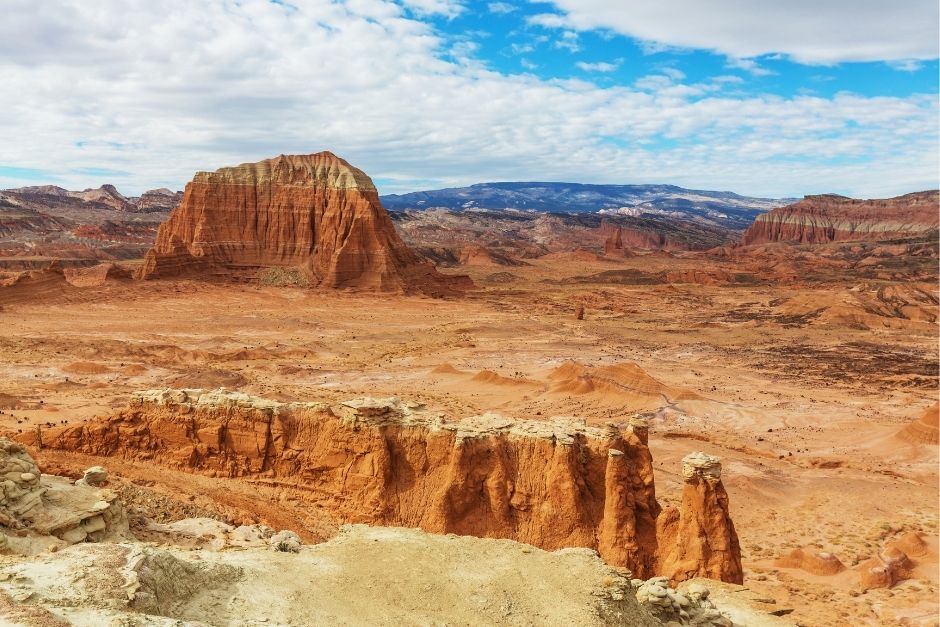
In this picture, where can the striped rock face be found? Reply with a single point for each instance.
(313, 213)
(552, 483)
(830, 218)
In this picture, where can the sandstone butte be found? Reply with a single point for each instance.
(830, 218)
(315, 213)
(553, 484)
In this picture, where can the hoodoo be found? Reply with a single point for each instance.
(698, 538)
(315, 213)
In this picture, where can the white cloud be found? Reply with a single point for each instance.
(500, 8)
(906, 65)
(600, 66)
(568, 40)
(449, 8)
(671, 72)
(162, 88)
(547, 20)
(748, 65)
(808, 31)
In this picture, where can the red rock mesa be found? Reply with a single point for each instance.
(829, 218)
(315, 213)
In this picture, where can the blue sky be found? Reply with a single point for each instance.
(508, 41)
(759, 97)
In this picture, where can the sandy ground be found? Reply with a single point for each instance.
(802, 409)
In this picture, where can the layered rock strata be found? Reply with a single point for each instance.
(313, 212)
(554, 483)
(41, 511)
(924, 430)
(828, 218)
(698, 538)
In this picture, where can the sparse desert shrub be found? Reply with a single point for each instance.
(282, 277)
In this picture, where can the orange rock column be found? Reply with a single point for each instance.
(698, 539)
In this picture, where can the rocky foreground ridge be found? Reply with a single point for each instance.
(553, 484)
(314, 213)
(829, 218)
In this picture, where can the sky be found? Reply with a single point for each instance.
(760, 97)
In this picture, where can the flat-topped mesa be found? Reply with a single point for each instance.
(552, 483)
(315, 213)
(829, 218)
(699, 536)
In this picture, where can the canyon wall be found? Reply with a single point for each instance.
(828, 218)
(554, 483)
(313, 212)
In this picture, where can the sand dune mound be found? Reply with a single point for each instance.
(493, 378)
(210, 378)
(447, 369)
(618, 380)
(820, 563)
(911, 544)
(34, 285)
(96, 275)
(8, 401)
(86, 367)
(924, 430)
(476, 255)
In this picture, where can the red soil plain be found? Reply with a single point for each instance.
(808, 366)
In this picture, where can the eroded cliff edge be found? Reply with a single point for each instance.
(554, 483)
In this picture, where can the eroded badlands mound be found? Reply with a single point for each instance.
(313, 213)
(554, 484)
(829, 218)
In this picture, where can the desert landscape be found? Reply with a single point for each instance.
(467, 313)
(298, 367)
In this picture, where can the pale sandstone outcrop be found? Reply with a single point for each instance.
(312, 212)
(552, 483)
(670, 606)
(362, 576)
(698, 539)
(38, 511)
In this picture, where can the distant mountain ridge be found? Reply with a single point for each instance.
(725, 209)
(51, 198)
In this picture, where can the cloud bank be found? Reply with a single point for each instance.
(808, 31)
(144, 93)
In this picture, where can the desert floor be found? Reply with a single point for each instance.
(803, 409)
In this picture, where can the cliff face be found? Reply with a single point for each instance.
(619, 240)
(313, 212)
(829, 218)
(699, 539)
(552, 484)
